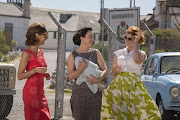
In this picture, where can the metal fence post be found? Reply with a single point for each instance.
(102, 27)
(60, 75)
(152, 40)
(111, 47)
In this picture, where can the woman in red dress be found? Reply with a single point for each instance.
(32, 67)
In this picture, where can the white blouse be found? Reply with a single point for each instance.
(126, 61)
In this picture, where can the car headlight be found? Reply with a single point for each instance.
(174, 91)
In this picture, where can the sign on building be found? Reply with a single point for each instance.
(120, 20)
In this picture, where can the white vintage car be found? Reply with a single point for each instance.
(7, 88)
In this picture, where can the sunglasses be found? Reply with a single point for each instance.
(90, 37)
(45, 35)
(125, 37)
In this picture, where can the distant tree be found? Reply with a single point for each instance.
(1, 56)
(105, 35)
(99, 47)
(166, 39)
(3, 47)
(14, 44)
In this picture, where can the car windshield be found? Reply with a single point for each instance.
(170, 65)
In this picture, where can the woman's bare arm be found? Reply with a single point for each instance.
(138, 57)
(102, 65)
(72, 73)
(115, 67)
(22, 73)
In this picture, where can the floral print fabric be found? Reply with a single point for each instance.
(126, 98)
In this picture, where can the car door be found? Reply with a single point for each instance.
(145, 76)
(150, 75)
(153, 73)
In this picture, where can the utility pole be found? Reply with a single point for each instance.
(165, 17)
(131, 3)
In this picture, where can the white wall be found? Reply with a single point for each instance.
(173, 21)
(160, 15)
(51, 43)
(20, 26)
(69, 42)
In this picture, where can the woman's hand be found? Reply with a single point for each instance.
(101, 88)
(47, 75)
(48, 78)
(116, 68)
(93, 79)
(137, 37)
(82, 65)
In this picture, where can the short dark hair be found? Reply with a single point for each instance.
(80, 33)
(34, 28)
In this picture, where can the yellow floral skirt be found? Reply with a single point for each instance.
(126, 98)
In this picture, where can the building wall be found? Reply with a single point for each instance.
(173, 21)
(160, 14)
(20, 26)
(51, 42)
(70, 46)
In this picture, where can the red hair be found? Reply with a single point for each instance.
(132, 30)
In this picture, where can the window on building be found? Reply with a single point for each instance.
(64, 18)
(8, 27)
(55, 35)
(8, 33)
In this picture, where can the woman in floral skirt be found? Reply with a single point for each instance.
(126, 98)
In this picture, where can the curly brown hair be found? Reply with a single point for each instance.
(132, 30)
(34, 28)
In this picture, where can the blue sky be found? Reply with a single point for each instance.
(146, 6)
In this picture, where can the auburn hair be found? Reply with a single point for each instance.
(132, 30)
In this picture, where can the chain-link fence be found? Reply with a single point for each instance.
(12, 40)
(11, 102)
(165, 40)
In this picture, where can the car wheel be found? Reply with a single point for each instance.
(165, 114)
(6, 102)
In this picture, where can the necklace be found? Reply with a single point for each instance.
(36, 54)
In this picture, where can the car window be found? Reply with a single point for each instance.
(154, 66)
(170, 65)
(146, 71)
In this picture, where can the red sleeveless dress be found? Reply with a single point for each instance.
(35, 103)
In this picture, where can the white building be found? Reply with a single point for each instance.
(70, 20)
(164, 14)
(14, 22)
